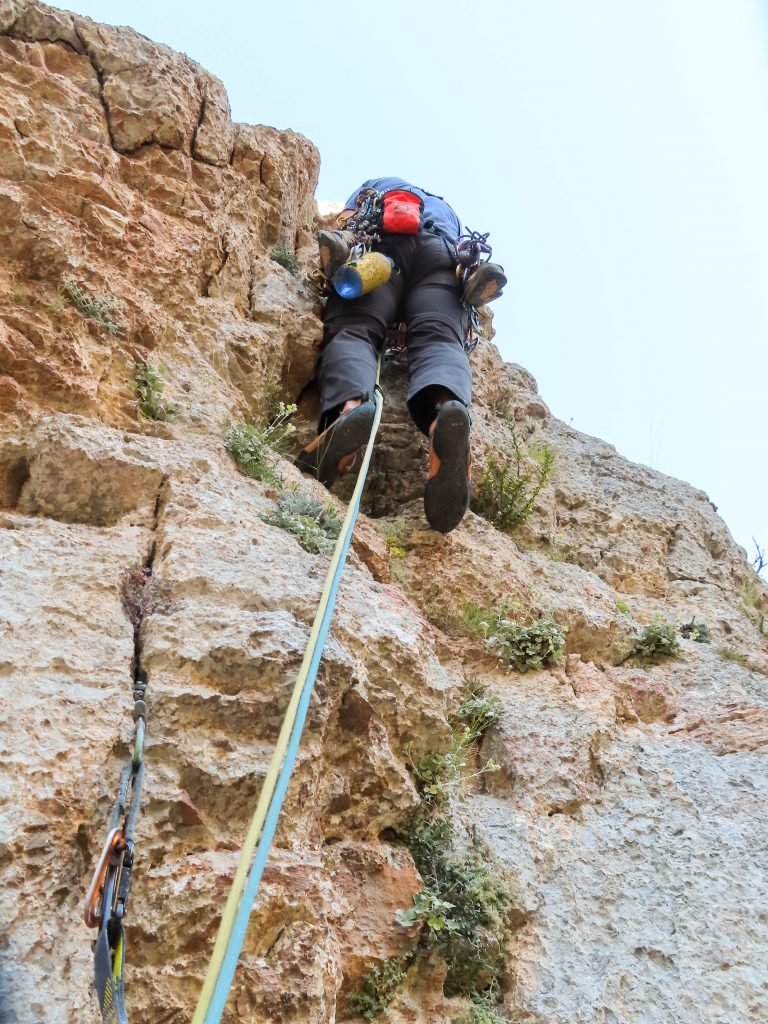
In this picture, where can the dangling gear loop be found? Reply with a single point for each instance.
(481, 280)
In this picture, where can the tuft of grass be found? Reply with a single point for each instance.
(104, 310)
(622, 607)
(315, 525)
(507, 491)
(529, 647)
(253, 448)
(729, 653)
(22, 297)
(657, 640)
(379, 986)
(698, 631)
(286, 258)
(149, 385)
(399, 573)
(473, 619)
(750, 593)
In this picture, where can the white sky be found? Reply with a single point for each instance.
(618, 153)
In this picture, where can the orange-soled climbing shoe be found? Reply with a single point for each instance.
(334, 247)
(333, 452)
(446, 496)
(484, 285)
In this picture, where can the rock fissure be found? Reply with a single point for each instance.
(101, 80)
(198, 125)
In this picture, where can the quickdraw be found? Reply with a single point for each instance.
(472, 249)
(365, 222)
(107, 899)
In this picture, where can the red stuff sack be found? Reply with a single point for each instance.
(402, 213)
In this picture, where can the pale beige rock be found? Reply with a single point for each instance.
(630, 804)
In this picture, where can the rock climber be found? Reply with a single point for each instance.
(425, 292)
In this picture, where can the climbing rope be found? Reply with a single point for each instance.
(108, 893)
(237, 911)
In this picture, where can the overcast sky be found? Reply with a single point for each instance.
(618, 153)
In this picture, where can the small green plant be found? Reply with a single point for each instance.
(286, 258)
(529, 647)
(507, 491)
(105, 310)
(698, 631)
(656, 641)
(622, 607)
(750, 593)
(395, 533)
(484, 1009)
(478, 710)
(427, 908)
(316, 525)
(149, 385)
(253, 448)
(272, 404)
(379, 986)
(729, 653)
(400, 573)
(468, 898)
(441, 775)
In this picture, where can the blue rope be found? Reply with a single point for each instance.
(240, 926)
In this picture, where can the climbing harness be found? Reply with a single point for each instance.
(396, 343)
(108, 893)
(107, 899)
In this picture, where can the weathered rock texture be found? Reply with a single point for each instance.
(631, 800)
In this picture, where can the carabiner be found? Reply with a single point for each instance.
(114, 844)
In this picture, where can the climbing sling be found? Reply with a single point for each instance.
(110, 883)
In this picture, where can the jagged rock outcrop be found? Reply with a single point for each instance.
(630, 802)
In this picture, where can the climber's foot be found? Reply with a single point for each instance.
(333, 452)
(334, 250)
(446, 496)
(484, 285)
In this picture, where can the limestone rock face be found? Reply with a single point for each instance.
(630, 800)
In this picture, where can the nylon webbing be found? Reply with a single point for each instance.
(245, 885)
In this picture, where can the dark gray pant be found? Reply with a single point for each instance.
(426, 295)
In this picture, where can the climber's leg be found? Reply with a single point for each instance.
(354, 332)
(437, 326)
(440, 390)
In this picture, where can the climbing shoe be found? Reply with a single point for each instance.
(446, 496)
(334, 250)
(484, 285)
(333, 452)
